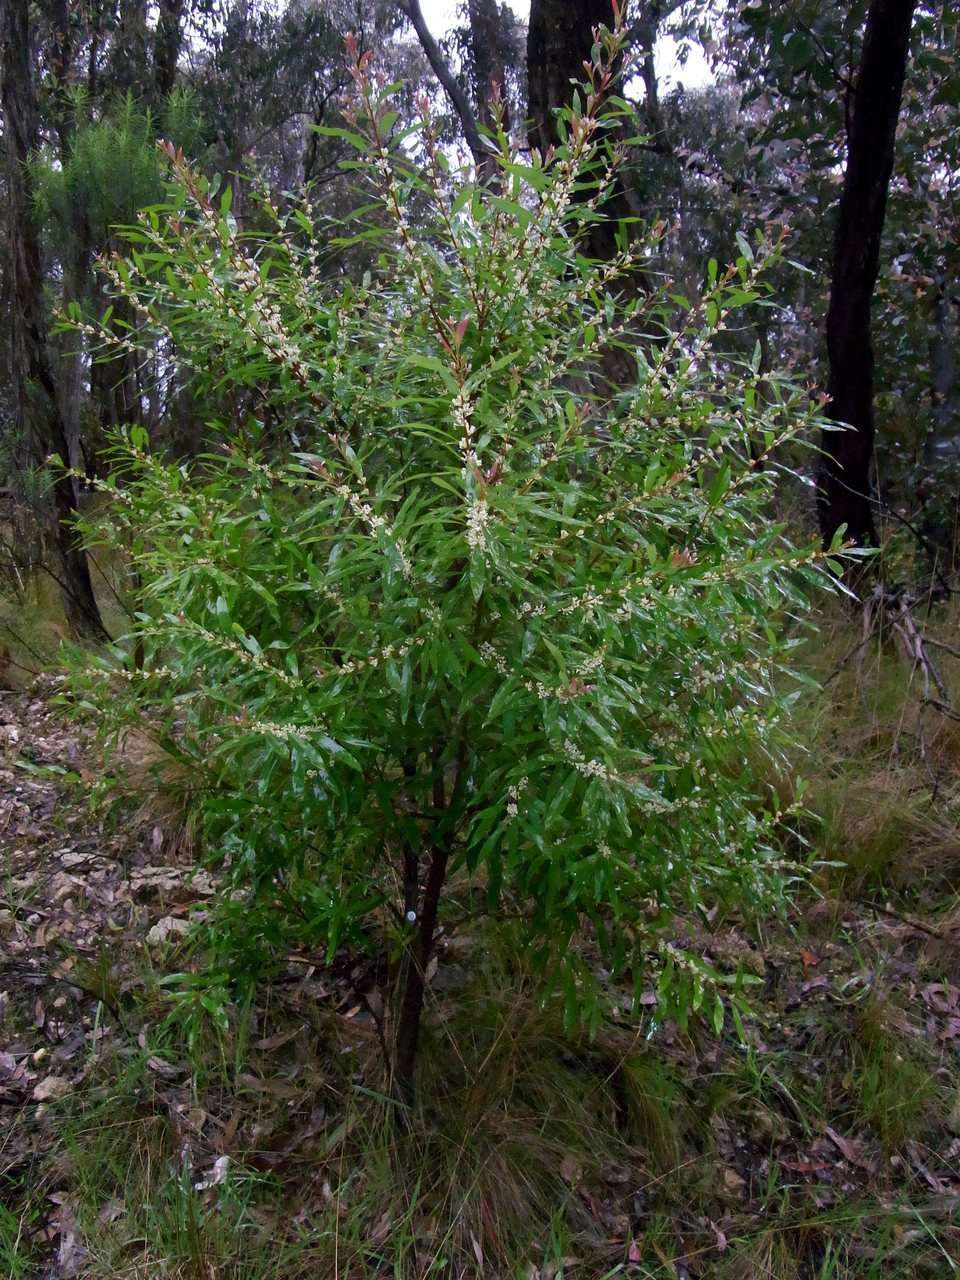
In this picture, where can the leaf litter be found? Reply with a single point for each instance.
(81, 903)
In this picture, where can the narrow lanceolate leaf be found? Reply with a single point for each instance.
(441, 583)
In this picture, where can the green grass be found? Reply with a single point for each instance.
(537, 1155)
(533, 1149)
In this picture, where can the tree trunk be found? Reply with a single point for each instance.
(131, 70)
(943, 339)
(439, 67)
(559, 39)
(423, 913)
(38, 415)
(411, 997)
(490, 83)
(166, 46)
(844, 495)
(77, 250)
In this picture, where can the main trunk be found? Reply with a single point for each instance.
(844, 475)
(414, 980)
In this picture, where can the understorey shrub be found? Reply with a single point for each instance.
(446, 606)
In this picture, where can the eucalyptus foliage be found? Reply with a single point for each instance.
(447, 607)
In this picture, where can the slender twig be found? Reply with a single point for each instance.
(941, 644)
(895, 915)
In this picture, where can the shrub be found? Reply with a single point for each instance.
(447, 601)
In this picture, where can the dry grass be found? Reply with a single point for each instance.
(881, 771)
(162, 788)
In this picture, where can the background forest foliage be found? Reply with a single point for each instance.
(493, 508)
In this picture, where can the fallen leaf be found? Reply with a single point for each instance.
(931, 1179)
(166, 1069)
(165, 928)
(815, 984)
(804, 1166)
(381, 1228)
(850, 1150)
(278, 1088)
(941, 997)
(720, 1237)
(953, 1116)
(70, 1253)
(275, 1041)
(216, 1174)
(809, 959)
(51, 1088)
(110, 1211)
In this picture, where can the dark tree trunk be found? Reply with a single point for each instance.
(129, 52)
(423, 913)
(559, 39)
(645, 35)
(844, 495)
(39, 419)
(166, 46)
(490, 84)
(413, 986)
(77, 250)
(114, 385)
(943, 342)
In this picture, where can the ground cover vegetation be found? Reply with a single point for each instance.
(478, 769)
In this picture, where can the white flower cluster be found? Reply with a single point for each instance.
(237, 650)
(478, 517)
(589, 768)
(494, 659)
(592, 665)
(702, 680)
(461, 408)
(514, 793)
(286, 732)
(375, 522)
(121, 673)
(385, 654)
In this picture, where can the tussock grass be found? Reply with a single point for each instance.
(881, 772)
(538, 1155)
(161, 787)
(531, 1149)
